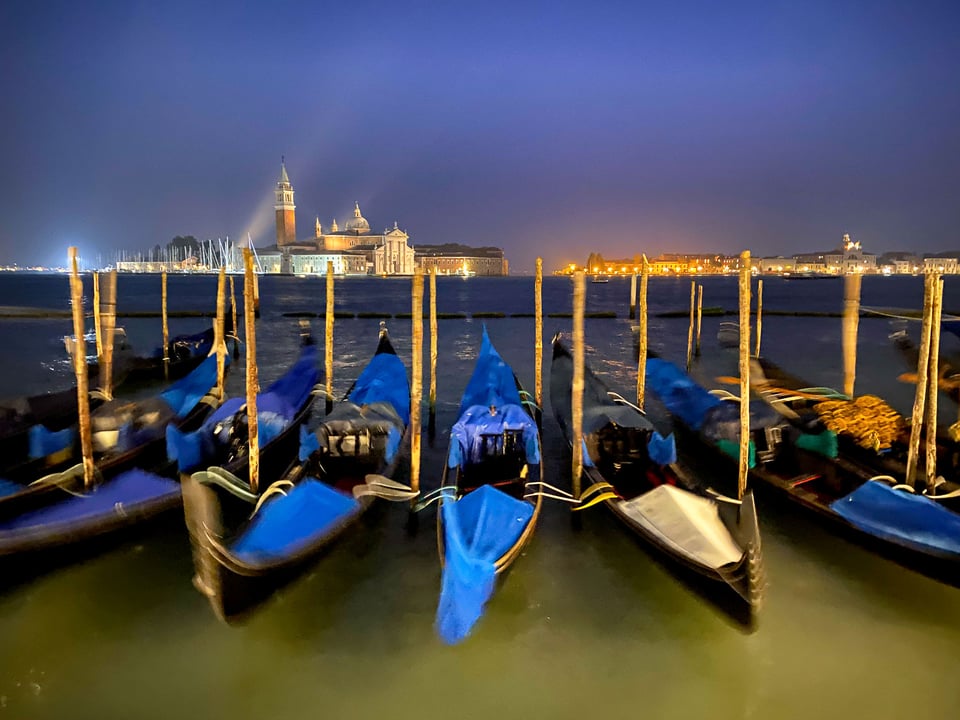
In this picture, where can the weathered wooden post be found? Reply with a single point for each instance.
(538, 334)
(432, 419)
(80, 369)
(759, 314)
(851, 321)
(642, 312)
(933, 383)
(220, 332)
(253, 380)
(165, 326)
(923, 367)
(633, 296)
(693, 309)
(233, 318)
(576, 398)
(108, 319)
(699, 316)
(328, 339)
(744, 466)
(97, 327)
(416, 381)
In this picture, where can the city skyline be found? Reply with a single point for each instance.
(543, 130)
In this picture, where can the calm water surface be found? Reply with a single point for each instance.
(586, 624)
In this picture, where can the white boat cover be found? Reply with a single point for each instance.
(687, 522)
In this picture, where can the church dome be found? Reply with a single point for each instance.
(358, 223)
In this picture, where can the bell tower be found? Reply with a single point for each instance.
(286, 210)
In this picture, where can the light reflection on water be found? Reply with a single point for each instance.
(585, 623)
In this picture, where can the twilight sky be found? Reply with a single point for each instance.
(550, 129)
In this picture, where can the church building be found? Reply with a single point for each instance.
(354, 250)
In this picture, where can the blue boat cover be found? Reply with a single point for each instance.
(9, 487)
(662, 450)
(45, 442)
(384, 379)
(492, 382)
(477, 530)
(902, 517)
(276, 409)
(679, 393)
(183, 395)
(477, 420)
(120, 495)
(289, 523)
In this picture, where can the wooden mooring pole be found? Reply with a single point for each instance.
(933, 383)
(416, 380)
(328, 339)
(851, 322)
(80, 369)
(693, 309)
(642, 332)
(759, 314)
(108, 320)
(432, 418)
(165, 325)
(233, 317)
(923, 367)
(220, 332)
(699, 316)
(576, 397)
(97, 328)
(744, 466)
(253, 380)
(538, 335)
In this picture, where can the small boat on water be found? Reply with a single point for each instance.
(599, 279)
(29, 424)
(344, 465)
(949, 367)
(634, 470)
(805, 469)
(134, 480)
(491, 491)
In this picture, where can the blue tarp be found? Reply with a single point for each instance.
(477, 420)
(117, 496)
(289, 523)
(492, 382)
(477, 530)
(678, 392)
(276, 409)
(45, 442)
(8, 487)
(183, 395)
(384, 380)
(903, 517)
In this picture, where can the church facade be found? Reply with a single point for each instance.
(353, 250)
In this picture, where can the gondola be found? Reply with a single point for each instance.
(39, 429)
(859, 445)
(804, 469)
(948, 376)
(134, 480)
(343, 466)
(634, 469)
(491, 499)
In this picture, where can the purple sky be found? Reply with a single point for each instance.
(548, 129)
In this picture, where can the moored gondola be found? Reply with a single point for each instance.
(805, 469)
(133, 480)
(634, 470)
(491, 487)
(343, 466)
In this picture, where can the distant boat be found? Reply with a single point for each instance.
(729, 335)
(600, 279)
(808, 276)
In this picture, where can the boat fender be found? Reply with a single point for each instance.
(44, 442)
(309, 443)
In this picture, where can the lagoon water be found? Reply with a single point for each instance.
(587, 624)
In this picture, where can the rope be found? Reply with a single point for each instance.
(274, 489)
(617, 397)
(444, 492)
